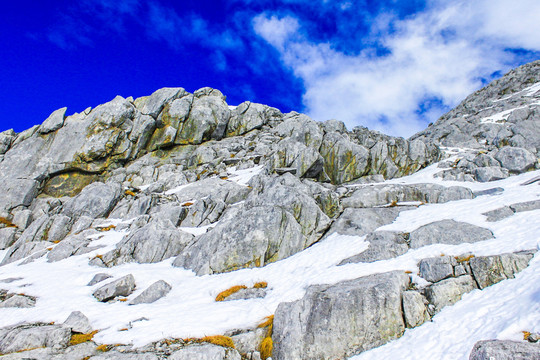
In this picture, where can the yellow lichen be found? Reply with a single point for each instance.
(188, 203)
(526, 335)
(129, 192)
(226, 293)
(6, 222)
(81, 338)
(261, 285)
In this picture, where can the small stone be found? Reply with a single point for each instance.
(121, 287)
(153, 293)
(78, 322)
(98, 278)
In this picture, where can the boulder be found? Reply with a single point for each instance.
(98, 278)
(449, 291)
(378, 195)
(490, 173)
(18, 301)
(7, 237)
(504, 350)
(361, 221)
(343, 160)
(121, 287)
(489, 270)
(448, 232)
(415, 310)
(515, 159)
(54, 121)
(153, 293)
(253, 237)
(29, 336)
(95, 200)
(249, 116)
(246, 294)
(72, 245)
(205, 352)
(525, 206)
(78, 323)
(338, 321)
(383, 245)
(154, 242)
(437, 268)
(498, 214)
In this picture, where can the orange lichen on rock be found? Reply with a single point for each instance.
(103, 348)
(261, 285)
(464, 258)
(226, 293)
(81, 338)
(219, 340)
(6, 222)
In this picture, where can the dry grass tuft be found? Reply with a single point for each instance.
(268, 322)
(123, 299)
(266, 347)
(219, 340)
(393, 203)
(103, 348)
(261, 285)
(106, 228)
(188, 203)
(408, 272)
(6, 222)
(82, 338)
(526, 335)
(462, 259)
(224, 177)
(130, 193)
(224, 294)
(123, 329)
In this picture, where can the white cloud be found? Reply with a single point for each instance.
(275, 31)
(441, 53)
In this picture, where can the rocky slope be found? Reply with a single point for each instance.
(164, 219)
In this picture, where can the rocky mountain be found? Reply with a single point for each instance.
(176, 226)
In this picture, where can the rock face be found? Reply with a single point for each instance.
(184, 179)
(334, 322)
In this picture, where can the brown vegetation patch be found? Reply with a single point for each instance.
(226, 293)
(82, 338)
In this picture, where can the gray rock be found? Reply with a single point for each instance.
(449, 291)
(98, 278)
(116, 355)
(505, 350)
(437, 268)
(6, 138)
(54, 121)
(383, 245)
(246, 294)
(34, 354)
(78, 323)
(205, 352)
(154, 242)
(153, 293)
(414, 309)
(448, 232)
(490, 173)
(498, 214)
(95, 200)
(253, 237)
(22, 218)
(18, 301)
(525, 206)
(249, 341)
(60, 227)
(377, 195)
(72, 245)
(28, 336)
(121, 287)
(362, 221)
(492, 191)
(489, 270)
(7, 237)
(154, 103)
(343, 160)
(20, 250)
(227, 191)
(338, 321)
(515, 159)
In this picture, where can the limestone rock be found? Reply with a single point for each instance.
(154, 242)
(504, 350)
(54, 121)
(362, 221)
(449, 291)
(78, 323)
(96, 200)
(448, 232)
(121, 287)
(343, 160)
(205, 352)
(7, 237)
(338, 321)
(499, 214)
(116, 355)
(437, 268)
(383, 245)
(525, 206)
(27, 336)
(489, 270)
(414, 309)
(98, 278)
(18, 301)
(515, 159)
(153, 293)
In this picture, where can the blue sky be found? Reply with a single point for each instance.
(392, 66)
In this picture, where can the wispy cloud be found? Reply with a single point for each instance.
(429, 61)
